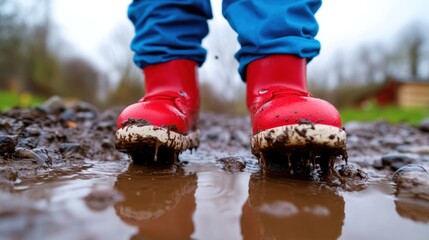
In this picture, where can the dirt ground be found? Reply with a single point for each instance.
(60, 174)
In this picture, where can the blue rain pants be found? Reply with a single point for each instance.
(173, 29)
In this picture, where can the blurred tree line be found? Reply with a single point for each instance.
(32, 60)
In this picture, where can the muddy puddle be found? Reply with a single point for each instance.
(117, 200)
(81, 189)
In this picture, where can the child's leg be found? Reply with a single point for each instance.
(267, 27)
(290, 127)
(167, 46)
(168, 30)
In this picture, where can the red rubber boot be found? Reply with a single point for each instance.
(286, 119)
(164, 121)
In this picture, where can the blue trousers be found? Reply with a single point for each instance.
(173, 29)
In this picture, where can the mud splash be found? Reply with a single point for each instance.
(61, 178)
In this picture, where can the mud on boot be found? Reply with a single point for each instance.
(292, 130)
(164, 122)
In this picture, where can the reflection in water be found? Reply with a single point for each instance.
(208, 204)
(214, 204)
(416, 210)
(220, 198)
(412, 193)
(291, 209)
(180, 205)
(161, 205)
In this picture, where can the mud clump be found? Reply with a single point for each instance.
(412, 192)
(396, 161)
(351, 171)
(412, 181)
(232, 164)
(137, 122)
(8, 176)
(7, 145)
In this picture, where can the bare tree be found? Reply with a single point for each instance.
(128, 86)
(412, 49)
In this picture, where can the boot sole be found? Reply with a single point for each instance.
(135, 137)
(299, 136)
(299, 143)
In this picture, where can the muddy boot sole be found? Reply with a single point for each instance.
(299, 149)
(154, 146)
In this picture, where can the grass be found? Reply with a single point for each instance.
(390, 114)
(10, 99)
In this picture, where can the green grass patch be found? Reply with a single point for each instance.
(390, 114)
(10, 99)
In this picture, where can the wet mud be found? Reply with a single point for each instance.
(62, 178)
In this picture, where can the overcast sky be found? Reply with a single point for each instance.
(344, 24)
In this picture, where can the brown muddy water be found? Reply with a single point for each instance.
(61, 178)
